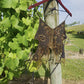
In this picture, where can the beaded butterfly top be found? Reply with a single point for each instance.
(49, 39)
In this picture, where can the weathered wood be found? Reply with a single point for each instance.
(53, 20)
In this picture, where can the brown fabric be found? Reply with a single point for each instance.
(41, 50)
(49, 39)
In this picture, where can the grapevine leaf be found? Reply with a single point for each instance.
(21, 1)
(31, 68)
(10, 74)
(36, 27)
(11, 63)
(23, 6)
(14, 39)
(14, 21)
(1, 70)
(2, 38)
(22, 54)
(14, 45)
(6, 73)
(9, 3)
(17, 10)
(12, 55)
(17, 31)
(22, 39)
(34, 66)
(1, 66)
(6, 22)
(26, 21)
(19, 28)
(29, 33)
(19, 38)
(30, 2)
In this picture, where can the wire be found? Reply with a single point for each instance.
(51, 12)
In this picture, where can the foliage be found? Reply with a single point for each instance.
(17, 31)
(75, 29)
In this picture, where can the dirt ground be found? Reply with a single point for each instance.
(73, 55)
(63, 82)
(44, 81)
(24, 79)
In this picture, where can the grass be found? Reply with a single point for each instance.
(73, 69)
(76, 41)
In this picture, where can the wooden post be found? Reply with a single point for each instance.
(53, 20)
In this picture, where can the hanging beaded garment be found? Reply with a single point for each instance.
(50, 39)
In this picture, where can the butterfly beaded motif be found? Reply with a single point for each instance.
(49, 39)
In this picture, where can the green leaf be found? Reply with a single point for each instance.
(34, 66)
(14, 39)
(23, 6)
(2, 38)
(14, 21)
(19, 28)
(6, 73)
(6, 22)
(22, 39)
(1, 66)
(25, 42)
(17, 31)
(1, 70)
(12, 55)
(14, 45)
(11, 63)
(23, 1)
(17, 10)
(31, 67)
(9, 3)
(30, 2)
(10, 74)
(22, 55)
(26, 21)
(30, 33)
